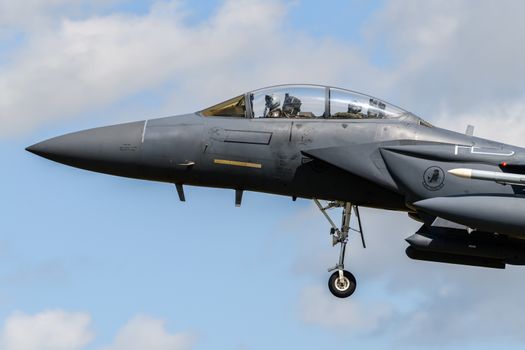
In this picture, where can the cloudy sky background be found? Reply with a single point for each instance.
(89, 261)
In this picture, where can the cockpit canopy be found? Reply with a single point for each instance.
(306, 102)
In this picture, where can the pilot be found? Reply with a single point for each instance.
(354, 111)
(271, 109)
(354, 108)
(291, 106)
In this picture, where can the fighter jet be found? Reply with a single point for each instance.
(339, 148)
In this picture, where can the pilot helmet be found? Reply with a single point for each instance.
(272, 101)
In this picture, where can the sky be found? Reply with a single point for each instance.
(95, 262)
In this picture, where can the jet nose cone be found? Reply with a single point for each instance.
(34, 149)
(44, 149)
(67, 148)
(112, 149)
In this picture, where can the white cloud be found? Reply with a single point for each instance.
(143, 332)
(318, 306)
(21, 13)
(457, 63)
(501, 121)
(453, 56)
(79, 65)
(49, 330)
(410, 303)
(447, 59)
(61, 330)
(32, 15)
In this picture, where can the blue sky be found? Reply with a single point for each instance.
(111, 263)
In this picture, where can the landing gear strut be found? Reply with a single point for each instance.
(341, 283)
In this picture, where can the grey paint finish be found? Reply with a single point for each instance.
(398, 163)
(489, 213)
(250, 137)
(115, 149)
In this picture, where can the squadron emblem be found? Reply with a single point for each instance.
(433, 178)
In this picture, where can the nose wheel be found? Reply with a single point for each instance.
(341, 283)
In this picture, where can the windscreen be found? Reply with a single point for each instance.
(234, 107)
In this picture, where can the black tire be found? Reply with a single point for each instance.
(345, 289)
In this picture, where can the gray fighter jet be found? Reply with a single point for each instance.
(341, 149)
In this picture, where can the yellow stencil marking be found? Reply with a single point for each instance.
(236, 163)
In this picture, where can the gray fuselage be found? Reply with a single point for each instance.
(265, 155)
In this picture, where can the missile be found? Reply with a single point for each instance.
(502, 178)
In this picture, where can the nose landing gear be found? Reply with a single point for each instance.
(341, 283)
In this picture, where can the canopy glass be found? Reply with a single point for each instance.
(306, 102)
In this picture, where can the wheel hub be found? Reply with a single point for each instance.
(342, 284)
